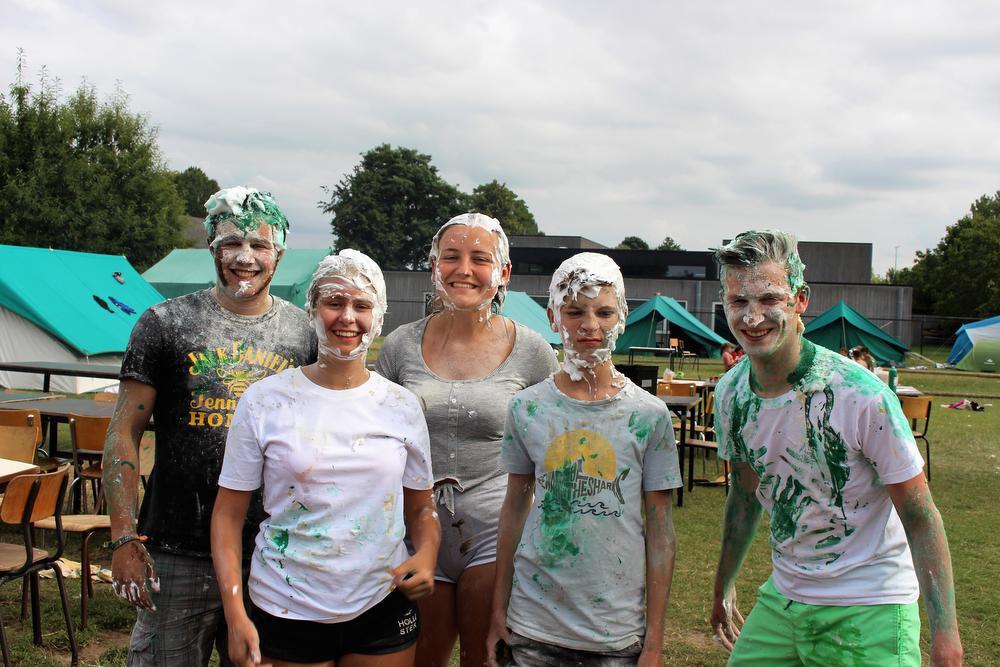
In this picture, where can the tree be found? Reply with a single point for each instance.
(669, 244)
(81, 174)
(390, 206)
(959, 277)
(498, 201)
(195, 187)
(632, 243)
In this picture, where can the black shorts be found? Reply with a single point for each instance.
(389, 627)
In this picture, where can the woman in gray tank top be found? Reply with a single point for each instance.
(465, 361)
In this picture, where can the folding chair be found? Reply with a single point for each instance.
(31, 498)
(917, 409)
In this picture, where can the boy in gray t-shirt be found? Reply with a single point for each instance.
(581, 578)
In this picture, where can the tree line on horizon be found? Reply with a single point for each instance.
(85, 174)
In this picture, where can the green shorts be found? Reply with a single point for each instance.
(779, 631)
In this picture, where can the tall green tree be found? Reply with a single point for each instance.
(498, 201)
(960, 277)
(632, 243)
(195, 187)
(390, 205)
(669, 244)
(83, 174)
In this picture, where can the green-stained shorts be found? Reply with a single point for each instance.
(779, 631)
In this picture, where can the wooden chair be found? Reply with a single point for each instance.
(18, 443)
(918, 409)
(87, 434)
(31, 498)
(32, 418)
(85, 525)
(681, 389)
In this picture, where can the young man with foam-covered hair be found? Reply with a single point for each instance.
(188, 362)
(823, 446)
(586, 546)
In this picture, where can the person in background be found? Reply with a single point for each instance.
(728, 356)
(465, 361)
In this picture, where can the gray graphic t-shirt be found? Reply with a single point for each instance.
(200, 358)
(580, 567)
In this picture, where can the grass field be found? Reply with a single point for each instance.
(966, 486)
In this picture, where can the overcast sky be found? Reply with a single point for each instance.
(850, 121)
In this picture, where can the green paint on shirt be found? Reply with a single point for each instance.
(558, 518)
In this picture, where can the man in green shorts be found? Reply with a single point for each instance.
(821, 444)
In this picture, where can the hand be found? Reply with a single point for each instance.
(133, 576)
(946, 650)
(244, 643)
(498, 633)
(726, 620)
(415, 577)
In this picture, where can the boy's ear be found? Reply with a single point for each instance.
(552, 320)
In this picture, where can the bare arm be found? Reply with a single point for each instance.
(932, 561)
(661, 550)
(513, 514)
(742, 515)
(415, 576)
(131, 565)
(228, 517)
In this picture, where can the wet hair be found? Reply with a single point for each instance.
(752, 248)
(248, 209)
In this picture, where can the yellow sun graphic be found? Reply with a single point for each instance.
(598, 456)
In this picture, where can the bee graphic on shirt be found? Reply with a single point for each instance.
(238, 380)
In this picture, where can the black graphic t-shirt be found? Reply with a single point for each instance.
(200, 358)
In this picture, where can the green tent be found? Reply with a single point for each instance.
(187, 270)
(521, 308)
(843, 327)
(640, 328)
(67, 307)
(977, 346)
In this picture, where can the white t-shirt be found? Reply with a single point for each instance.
(824, 452)
(333, 465)
(580, 566)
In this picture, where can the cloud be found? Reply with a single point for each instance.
(846, 122)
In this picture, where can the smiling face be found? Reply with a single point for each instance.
(244, 262)
(467, 270)
(761, 309)
(588, 324)
(343, 315)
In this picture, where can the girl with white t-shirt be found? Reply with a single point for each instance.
(344, 461)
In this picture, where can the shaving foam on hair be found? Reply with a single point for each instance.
(348, 269)
(247, 208)
(501, 256)
(585, 274)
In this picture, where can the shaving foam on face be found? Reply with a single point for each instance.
(583, 275)
(500, 252)
(348, 269)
